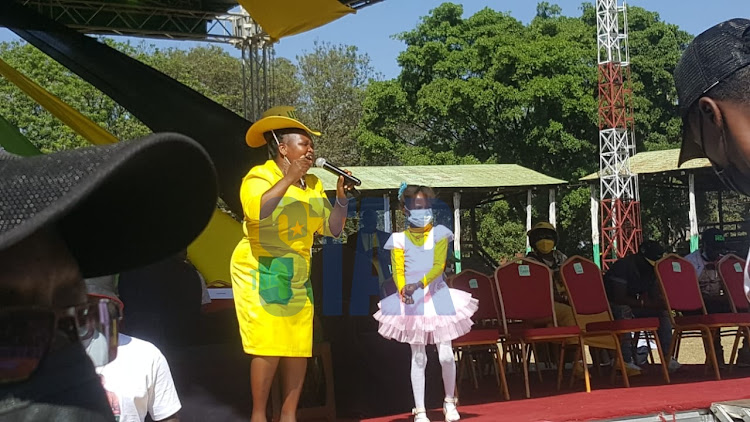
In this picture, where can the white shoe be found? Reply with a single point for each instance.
(420, 415)
(674, 365)
(449, 410)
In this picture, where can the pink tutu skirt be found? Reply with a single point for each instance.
(439, 314)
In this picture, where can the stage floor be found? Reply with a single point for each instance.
(691, 389)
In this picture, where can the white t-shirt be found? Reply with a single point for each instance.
(138, 382)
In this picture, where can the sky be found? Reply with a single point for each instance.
(372, 28)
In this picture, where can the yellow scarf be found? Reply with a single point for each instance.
(417, 235)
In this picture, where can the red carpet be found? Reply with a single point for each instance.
(690, 390)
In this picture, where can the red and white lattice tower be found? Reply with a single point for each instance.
(620, 206)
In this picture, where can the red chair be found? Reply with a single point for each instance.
(583, 281)
(485, 332)
(679, 286)
(732, 273)
(525, 290)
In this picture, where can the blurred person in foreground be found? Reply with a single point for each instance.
(712, 80)
(58, 215)
(137, 379)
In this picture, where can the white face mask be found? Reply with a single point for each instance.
(97, 347)
(420, 218)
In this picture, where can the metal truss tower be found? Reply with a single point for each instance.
(618, 186)
(257, 64)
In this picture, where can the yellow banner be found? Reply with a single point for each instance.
(81, 124)
(282, 18)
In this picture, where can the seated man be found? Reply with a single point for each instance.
(633, 292)
(705, 261)
(59, 214)
(543, 242)
(138, 381)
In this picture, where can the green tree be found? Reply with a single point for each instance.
(209, 70)
(333, 80)
(546, 10)
(493, 89)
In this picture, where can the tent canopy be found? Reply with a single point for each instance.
(653, 162)
(476, 182)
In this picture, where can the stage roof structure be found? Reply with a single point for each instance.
(199, 20)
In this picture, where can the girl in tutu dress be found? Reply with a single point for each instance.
(424, 310)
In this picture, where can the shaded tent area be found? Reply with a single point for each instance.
(458, 187)
(707, 202)
(371, 374)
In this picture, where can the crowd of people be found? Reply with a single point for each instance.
(63, 357)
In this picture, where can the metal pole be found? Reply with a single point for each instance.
(595, 226)
(474, 240)
(253, 93)
(693, 214)
(265, 77)
(387, 224)
(245, 105)
(552, 208)
(457, 229)
(528, 219)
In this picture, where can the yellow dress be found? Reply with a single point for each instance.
(271, 264)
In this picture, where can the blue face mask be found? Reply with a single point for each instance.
(420, 218)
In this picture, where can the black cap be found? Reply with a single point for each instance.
(651, 249)
(711, 57)
(712, 237)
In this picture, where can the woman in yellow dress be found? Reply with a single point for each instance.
(283, 208)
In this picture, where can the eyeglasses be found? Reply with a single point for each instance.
(26, 333)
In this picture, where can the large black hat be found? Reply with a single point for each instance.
(118, 206)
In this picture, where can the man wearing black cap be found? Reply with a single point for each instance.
(633, 292)
(712, 80)
(83, 213)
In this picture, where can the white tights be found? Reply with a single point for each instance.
(418, 364)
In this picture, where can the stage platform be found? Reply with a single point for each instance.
(689, 398)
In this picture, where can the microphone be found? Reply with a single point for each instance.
(349, 180)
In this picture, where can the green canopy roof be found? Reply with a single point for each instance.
(453, 177)
(663, 161)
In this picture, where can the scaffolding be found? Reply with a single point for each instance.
(618, 188)
(181, 20)
(258, 57)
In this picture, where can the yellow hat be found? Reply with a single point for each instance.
(280, 117)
